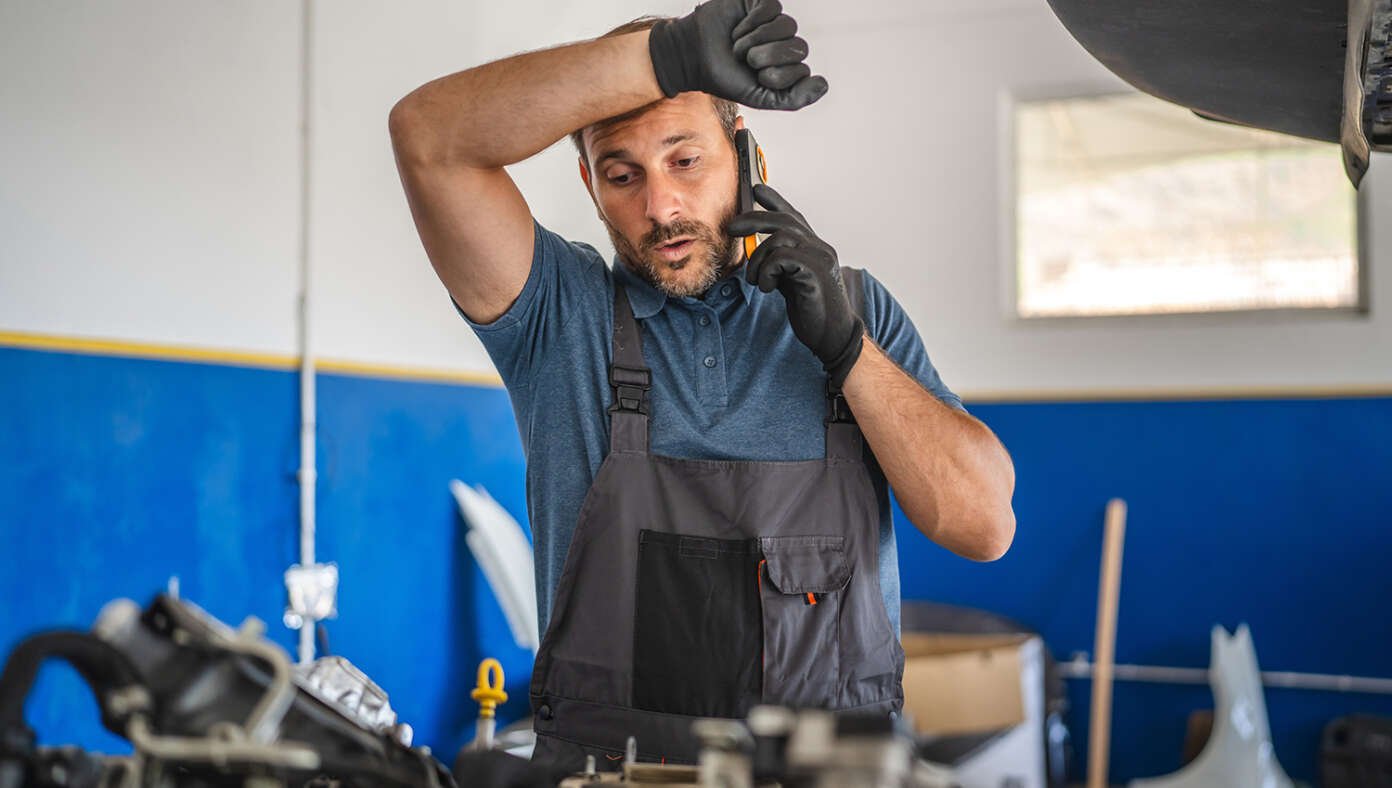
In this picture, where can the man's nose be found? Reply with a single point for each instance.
(664, 199)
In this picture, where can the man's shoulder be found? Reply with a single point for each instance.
(552, 245)
(564, 300)
(894, 331)
(878, 306)
(581, 283)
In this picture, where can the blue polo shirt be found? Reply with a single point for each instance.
(730, 382)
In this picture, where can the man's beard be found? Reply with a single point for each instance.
(714, 263)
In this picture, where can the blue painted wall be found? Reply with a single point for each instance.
(1274, 513)
(117, 473)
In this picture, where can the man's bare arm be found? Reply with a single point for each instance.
(453, 136)
(950, 473)
(952, 476)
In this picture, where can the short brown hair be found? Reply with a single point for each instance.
(725, 109)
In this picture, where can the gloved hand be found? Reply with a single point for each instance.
(803, 267)
(748, 55)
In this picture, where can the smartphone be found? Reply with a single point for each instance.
(752, 170)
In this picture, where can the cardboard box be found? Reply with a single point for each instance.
(959, 684)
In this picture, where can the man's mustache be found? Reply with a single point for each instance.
(662, 233)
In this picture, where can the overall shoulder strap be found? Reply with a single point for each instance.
(629, 379)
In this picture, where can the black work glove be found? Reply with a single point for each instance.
(742, 50)
(803, 268)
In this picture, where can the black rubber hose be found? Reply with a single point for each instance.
(98, 662)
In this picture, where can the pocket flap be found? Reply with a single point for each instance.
(806, 564)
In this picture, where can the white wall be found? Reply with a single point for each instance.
(151, 184)
(148, 175)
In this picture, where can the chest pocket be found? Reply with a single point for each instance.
(696, 634)
(802, 581)
(721, 625)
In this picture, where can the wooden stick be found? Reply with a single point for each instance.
(1104, 646)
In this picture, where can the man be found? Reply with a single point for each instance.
(710, 530)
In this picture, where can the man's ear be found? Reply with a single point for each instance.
(585, 176)
(739, 122)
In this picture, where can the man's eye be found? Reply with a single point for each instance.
(687, 162)
(620, 180)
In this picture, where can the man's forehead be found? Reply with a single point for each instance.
(662, 123)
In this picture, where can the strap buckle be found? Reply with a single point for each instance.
(838, 409)
(631, 386)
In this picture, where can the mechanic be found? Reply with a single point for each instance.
(710, 529)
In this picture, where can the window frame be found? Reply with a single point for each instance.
(1008, 247)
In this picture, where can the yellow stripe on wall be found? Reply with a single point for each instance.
(276, 361)
(367, 370)
(108, 347)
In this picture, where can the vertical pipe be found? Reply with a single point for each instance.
(1104, 647)
(307, 474)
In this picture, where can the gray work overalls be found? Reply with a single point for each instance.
(700, 588)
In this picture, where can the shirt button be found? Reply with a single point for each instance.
(726, 290)
(705, 320)
(709, 361)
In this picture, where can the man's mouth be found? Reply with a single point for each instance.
(675, 249)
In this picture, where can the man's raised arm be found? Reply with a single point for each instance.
(454, 136)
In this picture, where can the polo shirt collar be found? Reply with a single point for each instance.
(647, 300)
(746, 289)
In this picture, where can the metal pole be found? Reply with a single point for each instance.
(1080, 668)
(307, 475)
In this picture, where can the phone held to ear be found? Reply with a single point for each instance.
(752, 170)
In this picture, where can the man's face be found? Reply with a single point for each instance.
(664, 183)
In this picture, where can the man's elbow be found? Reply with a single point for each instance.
(411, 137)
(997, 515)
(996, 534)
(401, 126)
(978, 533)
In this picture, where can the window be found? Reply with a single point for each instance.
(1128, 205)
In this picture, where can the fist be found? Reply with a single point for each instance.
(746, 51)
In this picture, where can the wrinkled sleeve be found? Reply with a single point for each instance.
(893, 331)
(566, 279)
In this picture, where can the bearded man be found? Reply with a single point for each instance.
(710, 439)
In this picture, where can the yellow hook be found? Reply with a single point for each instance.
(489, 692)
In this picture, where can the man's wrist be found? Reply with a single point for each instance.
(669, 41)
(838, 368)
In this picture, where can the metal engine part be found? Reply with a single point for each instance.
(791, 749)
(205, 705)
(338, 681)
(1366, 124)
